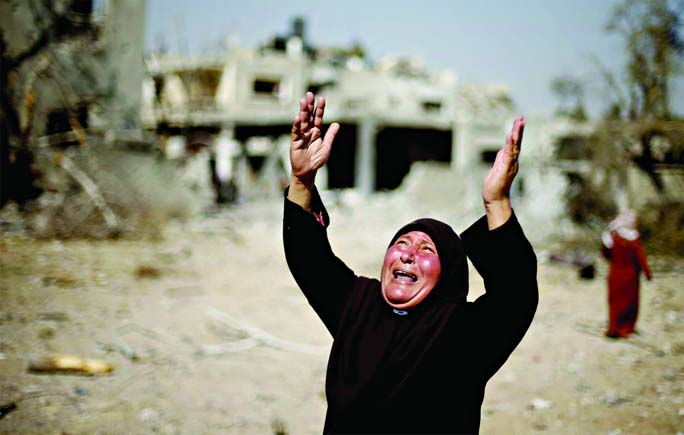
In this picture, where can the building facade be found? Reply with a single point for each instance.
(392, 113)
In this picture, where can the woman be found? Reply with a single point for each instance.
(410, 354)
(622, 247)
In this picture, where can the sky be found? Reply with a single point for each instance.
(524, 44)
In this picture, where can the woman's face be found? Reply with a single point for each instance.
(410, 271)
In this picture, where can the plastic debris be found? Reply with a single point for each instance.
(69, 364)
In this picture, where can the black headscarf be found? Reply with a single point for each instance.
(377, 351)
(453, 279)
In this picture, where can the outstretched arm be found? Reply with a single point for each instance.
(323, 278)
(506, 261)
(308, 150)
(497, 183)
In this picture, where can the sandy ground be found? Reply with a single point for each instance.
(208, 334)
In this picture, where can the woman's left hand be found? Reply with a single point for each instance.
(497, 183)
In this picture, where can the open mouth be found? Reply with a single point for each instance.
(404, 276)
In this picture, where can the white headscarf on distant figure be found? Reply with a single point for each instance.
(624, 226)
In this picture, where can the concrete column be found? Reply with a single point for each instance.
(364, 177)
(321, 177)
(124, 34)
(459, 142)
(226, 150)
(242, 173)
(466, 163)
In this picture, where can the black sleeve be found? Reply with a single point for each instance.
(323, 278)
(507, 263)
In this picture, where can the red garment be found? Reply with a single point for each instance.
(627, 261)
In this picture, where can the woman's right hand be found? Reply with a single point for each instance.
(308, 150)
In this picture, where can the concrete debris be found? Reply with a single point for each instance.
(669, 375)
(613, 398)
(119, 347)
(540, 404)
(148, 414)
(54, 316)
(183, 292)
(69, 364)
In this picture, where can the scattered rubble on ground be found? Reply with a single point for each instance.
(220, 340)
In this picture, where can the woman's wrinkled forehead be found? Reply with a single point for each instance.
(441, 234)
(416, 236)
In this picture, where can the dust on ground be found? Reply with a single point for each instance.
(208, 334)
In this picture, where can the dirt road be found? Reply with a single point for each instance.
(208, 333)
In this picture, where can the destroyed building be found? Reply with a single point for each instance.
(227, 118)
(239, 108)
(79, 60)
(72, 146)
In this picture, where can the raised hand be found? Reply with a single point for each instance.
(308, 150)
(497, 183)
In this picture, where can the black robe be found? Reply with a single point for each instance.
(423, 370)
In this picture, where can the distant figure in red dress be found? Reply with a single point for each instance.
(622, 247)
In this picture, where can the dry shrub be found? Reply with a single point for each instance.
(662, 227)
(141, 189)
(589, 204)
(147, 271)
(60, 279)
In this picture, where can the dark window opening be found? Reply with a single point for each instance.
(279, 43)
(488, 156)
(164, 129)
(342, 159)
(266, 87)
(432, 106)
(315, 88)
(398, 148)
(256, 162)
(318, 87)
